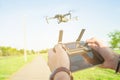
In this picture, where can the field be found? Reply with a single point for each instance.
(9, 65)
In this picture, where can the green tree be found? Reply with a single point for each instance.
(114, 39)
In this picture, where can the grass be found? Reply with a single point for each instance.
(10, 64)
(94, 73)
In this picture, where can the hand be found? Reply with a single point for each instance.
(57, 57)
(110, 58)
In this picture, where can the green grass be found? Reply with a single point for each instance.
(94, 73)
(10, 64)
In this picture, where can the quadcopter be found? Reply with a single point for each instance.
(62, 17)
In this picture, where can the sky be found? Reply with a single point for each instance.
(23, 24)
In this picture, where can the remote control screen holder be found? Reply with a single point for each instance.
(80, 54)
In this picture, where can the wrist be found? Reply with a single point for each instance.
(61, 73)
(62, 76)
(115, 62)
(118, 65)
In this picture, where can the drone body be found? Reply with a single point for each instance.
(61, 17)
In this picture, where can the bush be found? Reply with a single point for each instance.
(44, 51)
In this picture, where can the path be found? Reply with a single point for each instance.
(35, 70)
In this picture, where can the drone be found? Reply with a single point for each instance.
(62, 18)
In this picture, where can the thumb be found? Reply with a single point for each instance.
(93, 46)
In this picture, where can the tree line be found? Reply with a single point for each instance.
(8, 51)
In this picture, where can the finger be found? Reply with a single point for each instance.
(59, 48)
(56, 47)
(64, 47)
(91, 40)
(93, 46)
(94, 41)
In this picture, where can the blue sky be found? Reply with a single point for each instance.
(98, 17)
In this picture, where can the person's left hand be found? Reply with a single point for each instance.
(57, 57)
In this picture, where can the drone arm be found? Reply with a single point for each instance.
(66, 14)
(49, 19)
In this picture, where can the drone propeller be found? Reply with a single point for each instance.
(47, 19)
(75, 18)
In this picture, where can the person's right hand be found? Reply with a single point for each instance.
(110, 58)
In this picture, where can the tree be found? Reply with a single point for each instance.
(114, 39)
